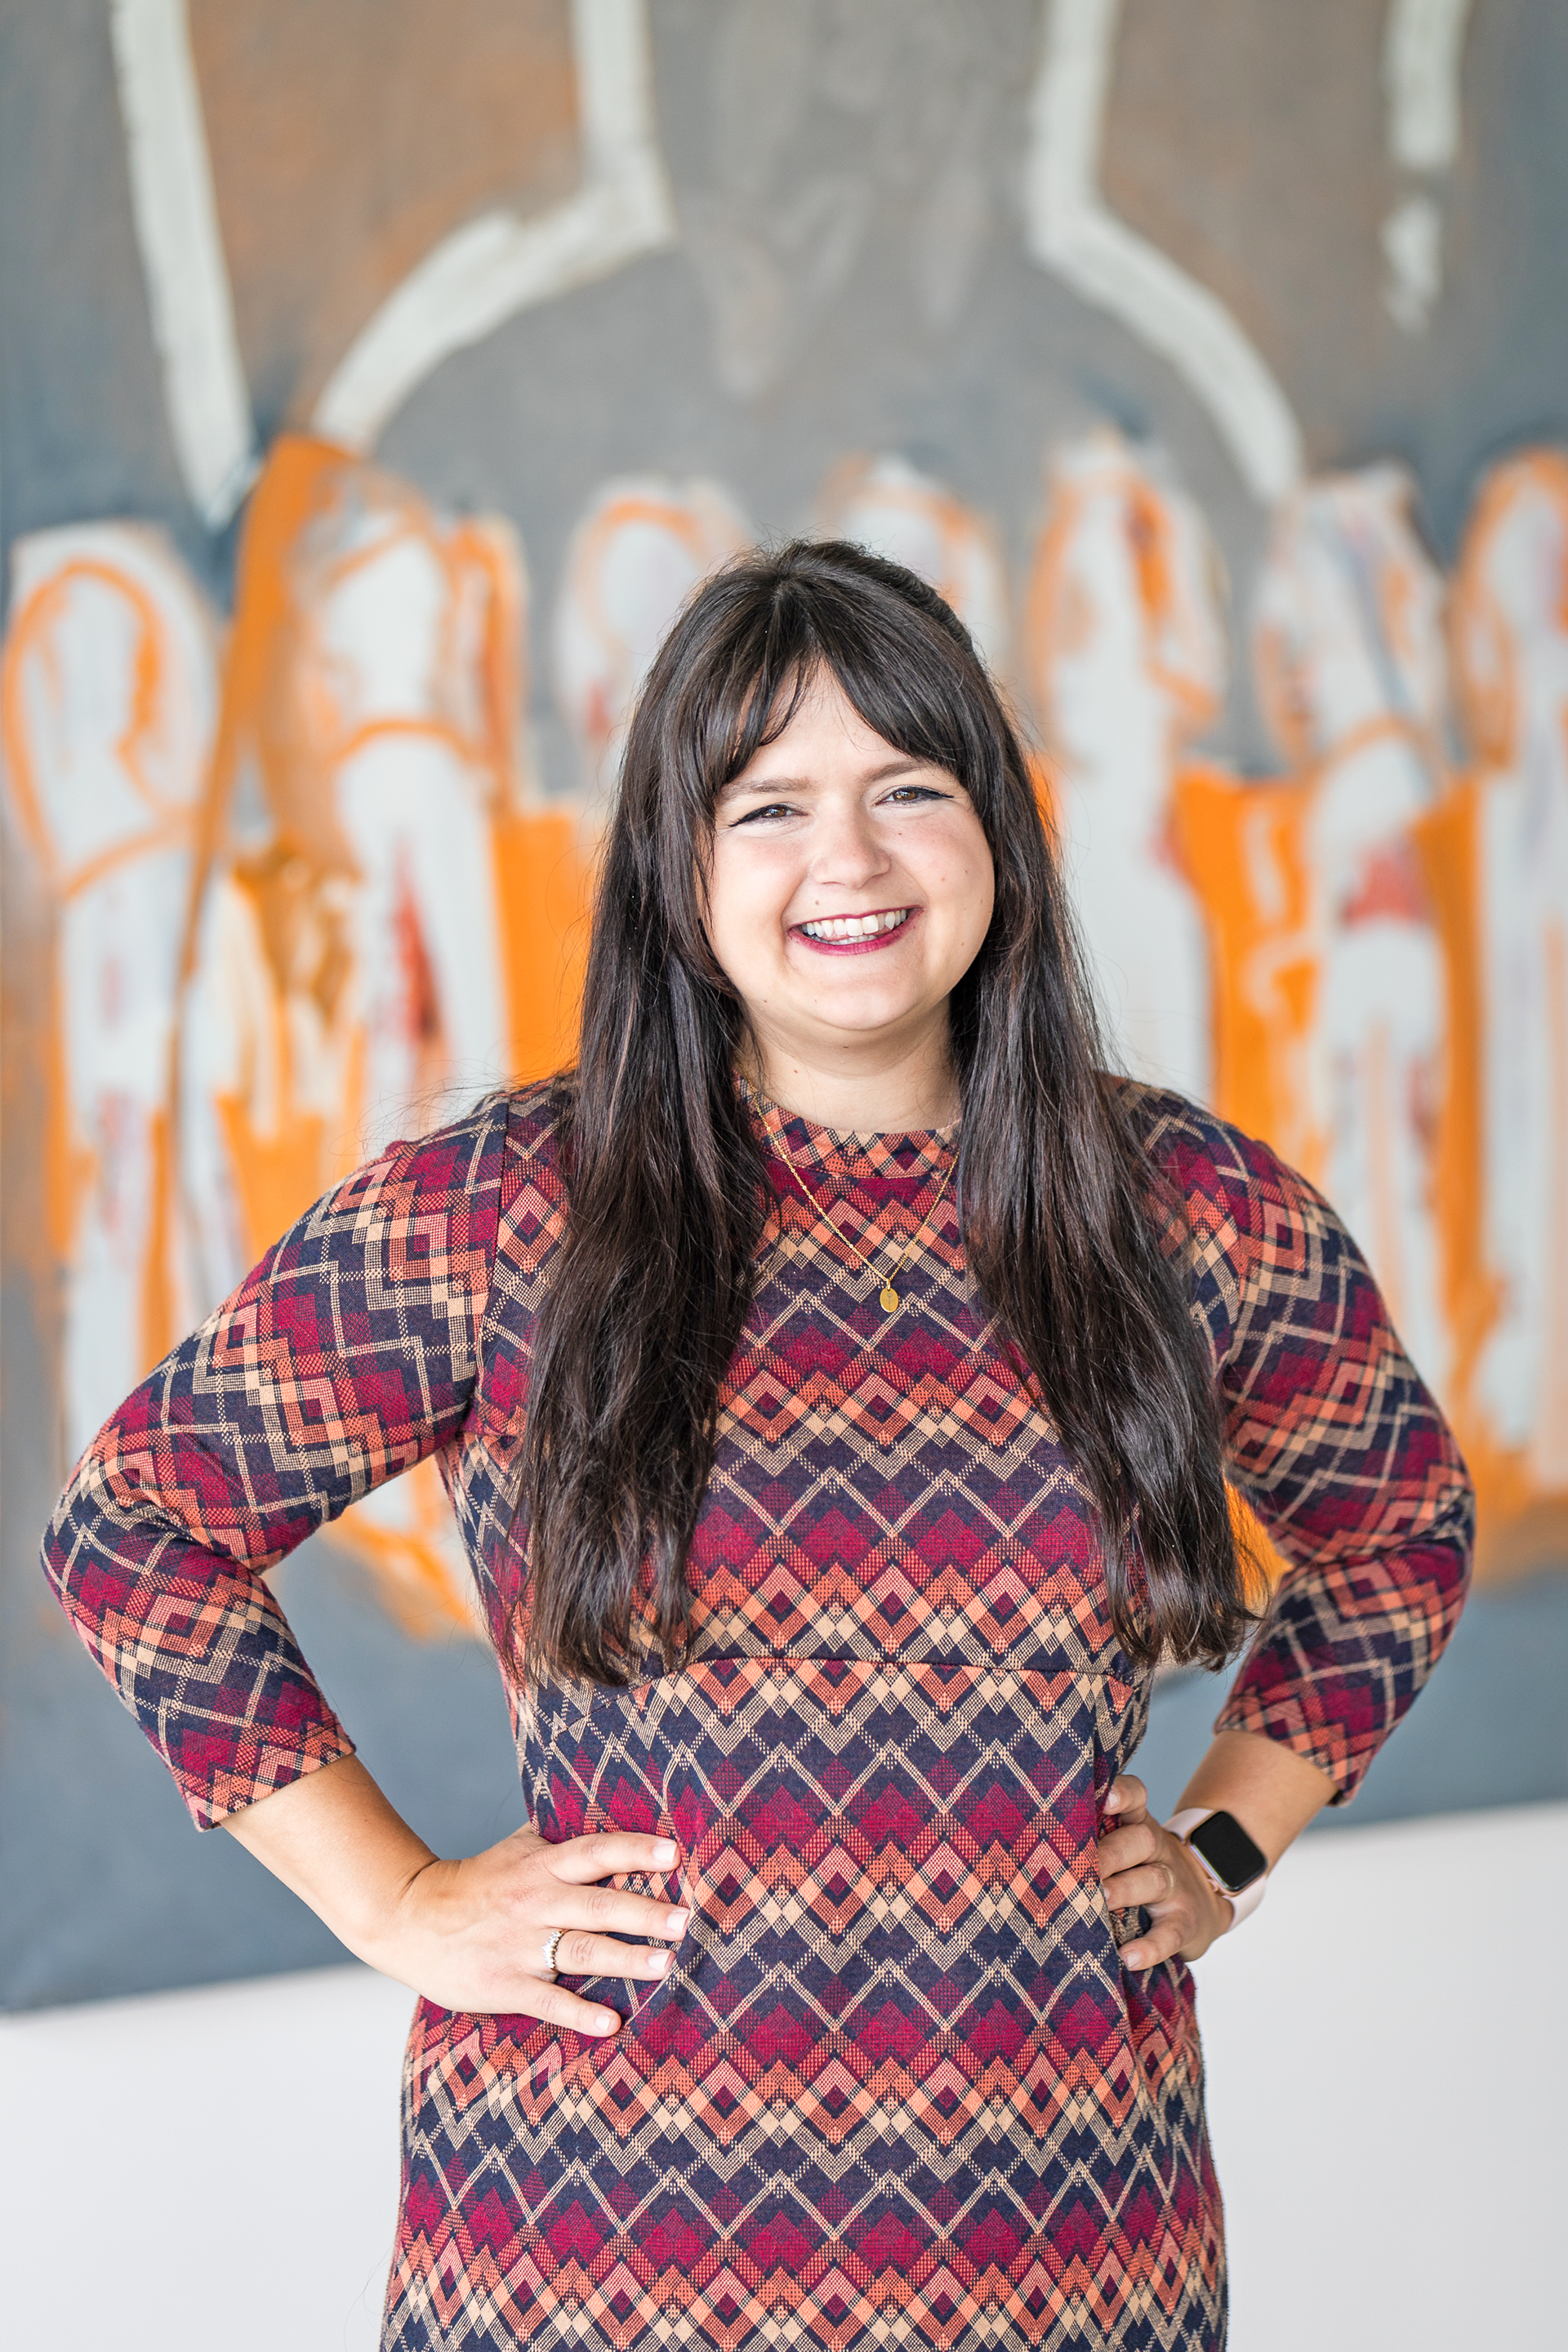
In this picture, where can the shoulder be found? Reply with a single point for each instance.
(507, 1151)
(512, 1133)
(484, 1197)
(533, 1189)
(1251, 1223)
(423, 1216)
(466, 1175)
(1221, 1174)
(536, 1120)
(458, 1167)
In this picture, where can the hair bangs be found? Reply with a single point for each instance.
(908, 669)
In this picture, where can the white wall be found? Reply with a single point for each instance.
(1388, 2079)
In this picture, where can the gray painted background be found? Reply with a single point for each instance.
(815, 305)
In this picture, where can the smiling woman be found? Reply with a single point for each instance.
(828, 1604)
(827, 667)
(848, 893)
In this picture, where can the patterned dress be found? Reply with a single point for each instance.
(898, 2088)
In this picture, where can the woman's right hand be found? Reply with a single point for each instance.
(473, 1934)
(467, 1935)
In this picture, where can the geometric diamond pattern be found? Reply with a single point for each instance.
(898, 2088)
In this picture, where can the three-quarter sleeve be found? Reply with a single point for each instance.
(349, 1354)
(1335, 1443)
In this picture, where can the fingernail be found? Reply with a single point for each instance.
(606, 2022)
(663, 1855)
(679, 1922)
(661, 1961)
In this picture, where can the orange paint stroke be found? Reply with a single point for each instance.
(170, 822)
(71, 1168)
(889, 506)
(1262, 1564)
(1447, 839)
(277, 714)
(277, 1176)
(1244, 845)
(545, 883)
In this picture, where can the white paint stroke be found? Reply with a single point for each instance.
(498, 265)
(1423, 49)
(175, 216)
(1072, 232)
(1412, 238)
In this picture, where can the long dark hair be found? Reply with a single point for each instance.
(1070, 1235)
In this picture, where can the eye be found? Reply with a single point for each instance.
(770, 810)
(909, 792)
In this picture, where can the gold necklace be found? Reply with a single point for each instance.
(890, 1296)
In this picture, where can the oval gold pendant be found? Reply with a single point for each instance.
(890, 1298)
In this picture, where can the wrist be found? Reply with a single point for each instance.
(334, 1840)
(1234, 1867)
(393, 1920)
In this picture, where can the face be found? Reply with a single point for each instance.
(851, 888)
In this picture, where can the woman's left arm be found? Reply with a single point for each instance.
(1270, 1790)
(1349, 1465)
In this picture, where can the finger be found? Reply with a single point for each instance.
(551, 2005)
(1126, 1795)
(1163, 1941)
(1124, 1849)
(612, 1854)
(602, 1956)
(610, 1911)
(1148, 1888)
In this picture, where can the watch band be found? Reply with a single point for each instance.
(1244, 1904)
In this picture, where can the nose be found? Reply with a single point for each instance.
(847, 854)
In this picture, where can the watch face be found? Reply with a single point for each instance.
(1230, 1853)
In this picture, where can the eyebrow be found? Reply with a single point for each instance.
(901, 766)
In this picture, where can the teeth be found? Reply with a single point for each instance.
(856, 927)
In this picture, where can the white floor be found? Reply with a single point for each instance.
(217, 2172)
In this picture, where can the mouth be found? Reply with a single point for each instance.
(855, 934)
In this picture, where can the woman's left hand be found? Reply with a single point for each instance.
(1144, 1867)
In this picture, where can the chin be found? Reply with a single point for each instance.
(863, 1018)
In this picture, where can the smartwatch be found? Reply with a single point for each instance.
(1234, 1863)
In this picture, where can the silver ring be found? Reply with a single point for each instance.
(552, 1945)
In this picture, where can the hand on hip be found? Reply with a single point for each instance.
(1144, 1867)
(490, 1933)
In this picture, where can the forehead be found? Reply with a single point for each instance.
(825, 739)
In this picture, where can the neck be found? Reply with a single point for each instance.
(862, 1091)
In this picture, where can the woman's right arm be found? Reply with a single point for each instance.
(351, 1352)
(469, 1935)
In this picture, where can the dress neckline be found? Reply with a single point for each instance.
(898, 1155)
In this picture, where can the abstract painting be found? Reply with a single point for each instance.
(394, 374)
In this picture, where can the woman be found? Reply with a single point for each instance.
(838, 1379)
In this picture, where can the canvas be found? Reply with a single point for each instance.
(378, 381)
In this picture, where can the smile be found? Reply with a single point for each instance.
(856, 932)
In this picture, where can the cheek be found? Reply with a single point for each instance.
(744, 898)
(978, 885)
(984, 900)
(967, 880)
